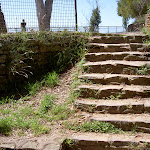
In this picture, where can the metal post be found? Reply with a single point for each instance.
(76, 17)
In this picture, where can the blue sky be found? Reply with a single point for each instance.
(108, 10)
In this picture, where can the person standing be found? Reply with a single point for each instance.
(23, 25)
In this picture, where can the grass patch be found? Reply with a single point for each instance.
(33, 88)
(7, 100)
(51, 79)
(22, 119)
(112, 97)
(47, 103)
(95, 126)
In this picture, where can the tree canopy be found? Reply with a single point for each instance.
(132, 9)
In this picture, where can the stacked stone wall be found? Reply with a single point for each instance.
(147, 21)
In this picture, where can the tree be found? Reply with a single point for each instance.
(95, 19)
(3, 28)
(44, 12)
(132, 9)
(123, 10)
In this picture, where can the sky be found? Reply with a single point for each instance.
(108, 13)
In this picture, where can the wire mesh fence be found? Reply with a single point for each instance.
(53, 15)
(14, 11)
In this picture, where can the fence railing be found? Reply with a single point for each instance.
(101, 29)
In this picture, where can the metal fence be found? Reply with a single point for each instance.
(14, 11)
(63, 16)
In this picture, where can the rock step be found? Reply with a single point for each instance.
(112, 106)
(117, 39)
(121, 91)
(116, 79)
(96, 47)
(129, 56)
(127, 122)
(115, 66)
(98, 141)
(100, 47)
(139, 47)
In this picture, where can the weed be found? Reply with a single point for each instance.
(91, 108)
(95, 126)
(60, 112)
(32, 88)
(112, 97)
(68, 142)
(6, 125)
(47, 103)
(142, 70)
(7, 100)
(51, 79)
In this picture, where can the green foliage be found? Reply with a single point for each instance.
(142, 70)
(47, 103)
(132, 9)
(95, 126)
(22, 119)
(95, 19)
(51, 79)
(7, 100)
(33, 88)
(5, 125)
(112, 97)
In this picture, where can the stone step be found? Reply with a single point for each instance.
(113, 106)
(101, 47)
(115, 79)
(99, 141)
(127, 122)
(117, 39)
(97, 47)
(106, 91)
(139, 47)
(116, 66)
(129, 56)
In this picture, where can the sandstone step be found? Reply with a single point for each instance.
(116, 79)
(121, 91)
(99, 141)
(137, 46)
(127, 122)
(118, 39)
(113, 106)
(138, 38)
(116, 66)
(108, 39)
(97, 47)
(130, 56)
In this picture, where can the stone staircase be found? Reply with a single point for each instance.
(116, 89)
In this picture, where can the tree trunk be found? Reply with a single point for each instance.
(3, 28)
(44, 14)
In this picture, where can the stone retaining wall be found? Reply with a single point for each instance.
(4, 53)
(43, 53)
(147, 21)
(42, 58)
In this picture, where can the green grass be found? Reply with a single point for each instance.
(23, 119)
(7, 100)
(112, 97)
(47, 103)
(142, 70)
(95, 126)
(33, 88)
(51, 79)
